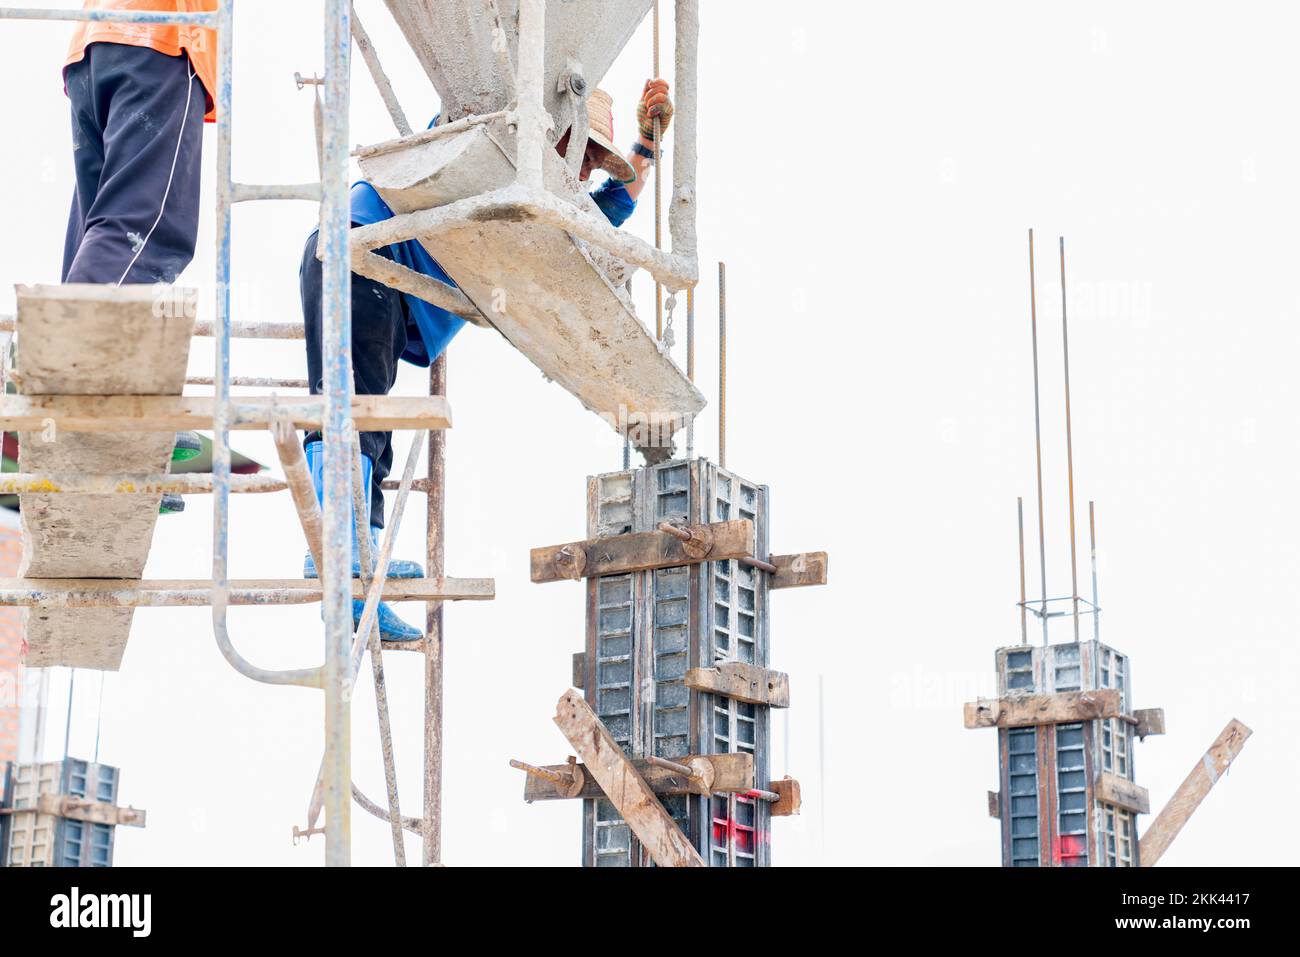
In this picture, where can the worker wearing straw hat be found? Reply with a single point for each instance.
(388, 325)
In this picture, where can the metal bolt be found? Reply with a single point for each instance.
(578, 84)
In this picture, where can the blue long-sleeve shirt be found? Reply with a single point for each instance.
(431, 328)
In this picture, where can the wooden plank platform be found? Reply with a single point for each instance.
(98, 593)
(116, 414)
(75, 341)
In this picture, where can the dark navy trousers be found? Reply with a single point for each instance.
(137, 138)
(379, 336)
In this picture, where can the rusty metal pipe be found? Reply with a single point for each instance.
(434, 634)
(672, 766)
(681, 534)
(545, 773)
(361, 519)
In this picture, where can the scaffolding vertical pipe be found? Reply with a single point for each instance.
(1038, 437)
(690, 366)
(435, 540)
(337, 517)
(722, 364)
(1092, 547)
(531, 116)
(221, 327)
(1069, 450)
(681, 213)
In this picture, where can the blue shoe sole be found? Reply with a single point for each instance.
(397, 568)
(391, 628)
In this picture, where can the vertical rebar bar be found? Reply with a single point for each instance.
(1038, 438)
(435, 540)
(821, 760)
(67, 724)
(722, 364)
(690, 365)
(1092, 545)
(1020, 523)
(1069, 449)
(337, 517)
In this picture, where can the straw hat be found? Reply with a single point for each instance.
(600, 119)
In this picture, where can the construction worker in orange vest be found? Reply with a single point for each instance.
(140, 94)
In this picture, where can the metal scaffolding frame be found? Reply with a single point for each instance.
(328, 534)
(344, 249)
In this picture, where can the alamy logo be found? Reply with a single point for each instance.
(102, 910)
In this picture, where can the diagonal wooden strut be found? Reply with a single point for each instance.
(1191, 793)
(625, 788)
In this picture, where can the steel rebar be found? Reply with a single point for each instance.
(1069, 449)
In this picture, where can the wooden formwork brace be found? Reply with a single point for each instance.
(693, 774)
(95, 812)
(626, 789)
(799, 570)
(640, 551)
(1192, 792)
(80, 809)
(744, 682)
(1019, 711)
(1120, 791)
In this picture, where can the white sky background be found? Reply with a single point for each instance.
(868, 172)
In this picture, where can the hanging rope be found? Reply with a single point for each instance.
(99, 716)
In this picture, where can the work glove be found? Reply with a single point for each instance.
(654, 103)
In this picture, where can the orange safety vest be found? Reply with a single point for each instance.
(200, 43)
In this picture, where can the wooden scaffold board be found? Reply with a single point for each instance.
(92, 340)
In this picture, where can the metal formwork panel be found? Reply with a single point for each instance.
(1068, 825)
(31, 837)
(647, 629)
(44, 840)
(82, 843)
(738, 631)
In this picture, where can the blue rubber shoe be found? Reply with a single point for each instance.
(397, 567)
(391, 628)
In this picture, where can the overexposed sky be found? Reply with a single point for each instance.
(868, 172)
